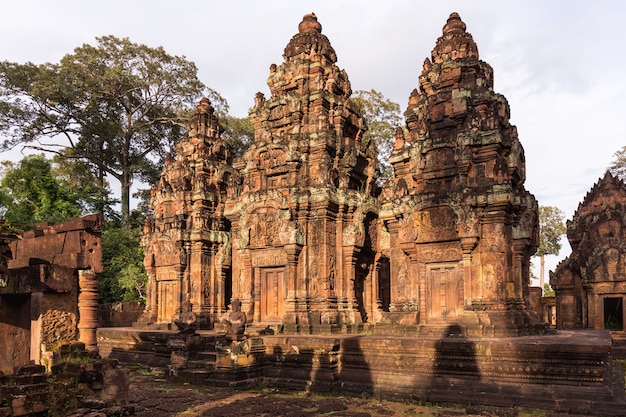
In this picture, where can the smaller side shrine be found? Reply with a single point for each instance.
(460, 225)
(590, 284)
(187, 239)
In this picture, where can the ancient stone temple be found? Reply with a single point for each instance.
(457, 226)
(188, 240)
(304, 226)
(590, 284)
(294, 231)
(298, 242)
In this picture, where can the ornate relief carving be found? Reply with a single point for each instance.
(269, 257)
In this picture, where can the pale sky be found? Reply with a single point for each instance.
(560, 63)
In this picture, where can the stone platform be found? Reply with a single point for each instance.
(572, 371)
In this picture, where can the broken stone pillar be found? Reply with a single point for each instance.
(88, 308)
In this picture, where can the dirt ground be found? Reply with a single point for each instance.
(154, 396)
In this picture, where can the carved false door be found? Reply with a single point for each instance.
(443, 292)
(273, 293)
(168, 294)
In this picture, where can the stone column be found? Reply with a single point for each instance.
(291, 303)
(350, 258)
(470, 287)
(88, 308)
(196, 268)
(256, 294)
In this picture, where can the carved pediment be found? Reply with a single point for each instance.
(272, 228)
(607, 263)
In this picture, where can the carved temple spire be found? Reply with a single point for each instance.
(455, 43)
(204, 122)
(309, 41)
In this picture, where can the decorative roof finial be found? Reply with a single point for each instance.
(309, 24)
(454, 24)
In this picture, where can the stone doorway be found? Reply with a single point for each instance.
(443, 287)
(384, 285)
(359, 293)
(273, 293)
(614, 313)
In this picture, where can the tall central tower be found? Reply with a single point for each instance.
(304, 225)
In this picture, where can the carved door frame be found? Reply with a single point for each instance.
(444, 286)
(273, 285)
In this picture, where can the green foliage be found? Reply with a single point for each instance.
(238, 133)
(119, 107)
(30, 193)
(382, 116)
(77, 177)
(618, 166)
(548, 291)
(124, 277)
(551, 228)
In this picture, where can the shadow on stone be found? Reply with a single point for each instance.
(355, 375)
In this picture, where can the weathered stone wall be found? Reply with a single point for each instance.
(120, 314)
(41, 292)
(570, 372)
(14, 332)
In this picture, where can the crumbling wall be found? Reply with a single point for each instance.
(43, 303)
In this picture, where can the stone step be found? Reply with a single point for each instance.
(30, 389)
(206, 356)
(192, 364)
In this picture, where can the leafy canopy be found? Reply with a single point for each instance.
(119, 107)
(618, 166)
(382, 116)
(124, 277)
(32, 191)
(551, 228)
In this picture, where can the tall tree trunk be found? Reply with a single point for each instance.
(101, 199)
(125, 200)
(542, 268)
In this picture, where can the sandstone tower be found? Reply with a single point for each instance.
(296, 229)
(304, 227)
(188, 239)
(461, 226)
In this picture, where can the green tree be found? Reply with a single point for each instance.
(124, 277)
(547, 290)
(30, 193)
(551, 228)
(382, 116)
(119, 106)
(618, 166)
(238, 133)
(77, 178)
